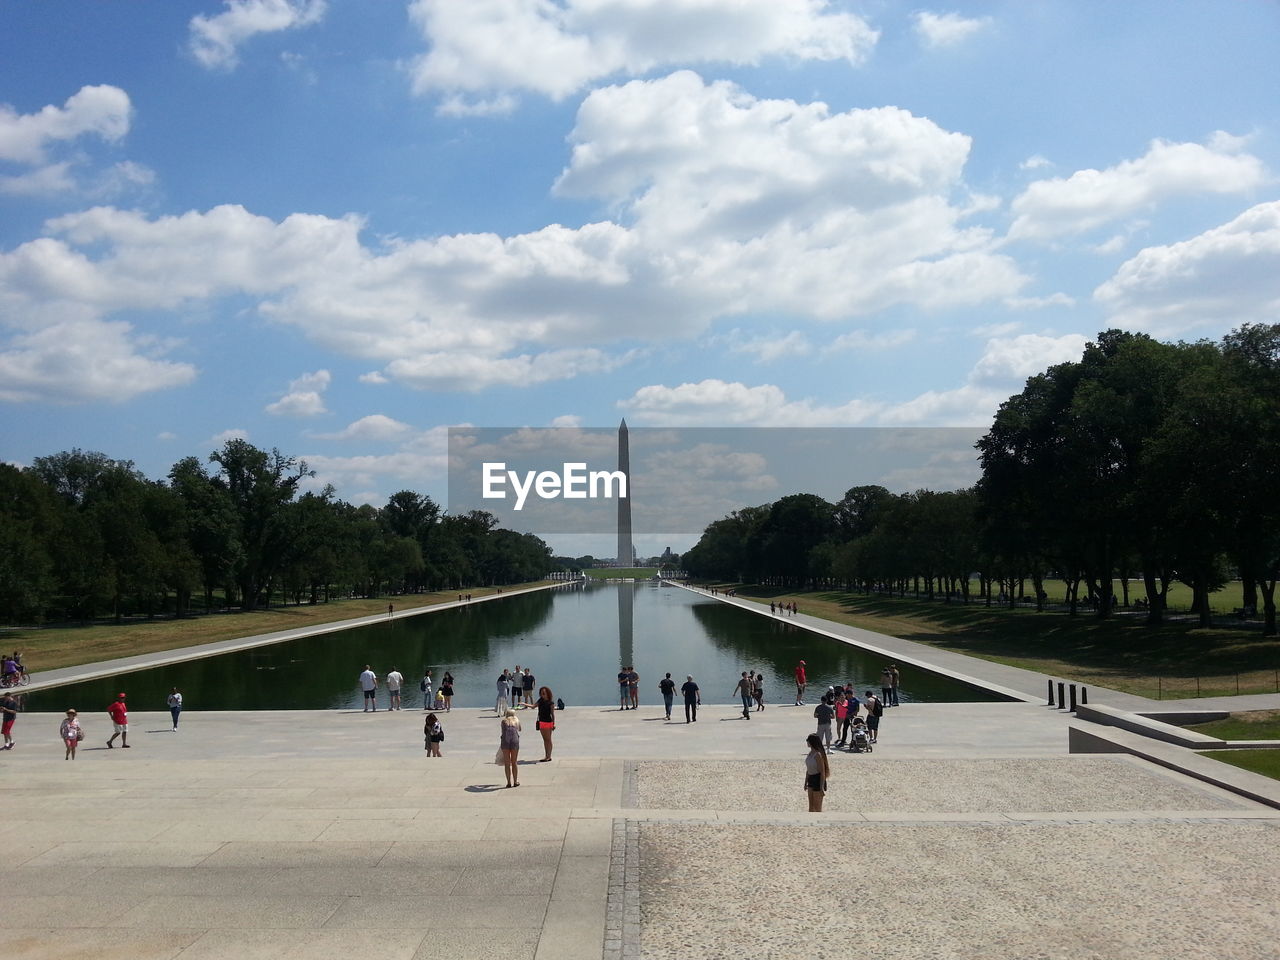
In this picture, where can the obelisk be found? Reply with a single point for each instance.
(626, 552)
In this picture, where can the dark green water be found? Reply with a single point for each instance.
(574, 638)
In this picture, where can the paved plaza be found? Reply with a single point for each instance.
(971, 831)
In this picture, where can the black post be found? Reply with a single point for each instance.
(1084, 695)
(1073, 698)
(1050, 682)
(1062, 695)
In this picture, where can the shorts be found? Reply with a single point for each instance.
(814, 781)
(546, 725)
(873, 722)
(394, 691)
(437, 739)
(120, 727)
(370, 694)
(71, 742)
(7, 726)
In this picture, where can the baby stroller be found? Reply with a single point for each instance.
(859, 739)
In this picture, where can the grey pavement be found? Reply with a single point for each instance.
(970, 831)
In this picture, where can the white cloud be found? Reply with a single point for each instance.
(103, 111)
(567, 420)
(715, 402)
(1091, 198)
(79, 361)
(1225, 276)
(420, 458)
(946, 29)
(166, 436)
(303, 397)
(49, 180)
(234, 433)
(770, 347)
(1035, 162)
(1058, 299)
(866, 340)
(376, 427)
(481, 50)
(214, 40)
(727, 206)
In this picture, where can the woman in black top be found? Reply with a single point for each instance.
(546, 718)
(446, 690)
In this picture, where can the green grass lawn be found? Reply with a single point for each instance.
(622, 573)
(1174, 661)
(1246, 725)
(1265, 762)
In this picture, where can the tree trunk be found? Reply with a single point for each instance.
(1268, 585)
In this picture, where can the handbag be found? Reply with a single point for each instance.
(498, 758)
(79, 734)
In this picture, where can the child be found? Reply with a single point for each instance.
(71, 734)
(859, 739)
(433, 735)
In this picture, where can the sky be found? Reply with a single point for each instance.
(339, 227)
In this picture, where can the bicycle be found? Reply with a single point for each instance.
(20, 679)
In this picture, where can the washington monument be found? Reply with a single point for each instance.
(626, 552)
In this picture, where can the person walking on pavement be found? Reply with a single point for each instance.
(692, 699)
(743, 690)
(668, 688)
(119, 713)
(801, 683)
(71, 734)
(9, 715)
(816, 770)
(824, 712)
(175, 707)
(369, 684)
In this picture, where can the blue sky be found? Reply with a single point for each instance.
(339, 227)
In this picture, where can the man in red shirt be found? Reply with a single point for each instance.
(120, 721)
(800, 683)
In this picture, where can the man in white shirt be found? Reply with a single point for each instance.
(394, 679)
(369, 684)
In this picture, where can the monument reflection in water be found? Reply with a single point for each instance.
(566, 635)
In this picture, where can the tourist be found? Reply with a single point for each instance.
(816, 771)
(71, 734)
(875, 710)
(772, 607)
(119, 713)
(11, 670)
(824, 712)
(446, 690)
(692, 699)
(743, 690)
(757, 691)
(624, 688)
(842, 716)
(633, 684)
(801, 683)
(526, 686)
(432, 735)
(503, 699)
(394, 679)
(894, 677)
(546, 719)
(509, 746)
(390, 610)
(668, 688)
(886, 686)
(424, 686)
(8, 717)
(369, 684)
(175, 706)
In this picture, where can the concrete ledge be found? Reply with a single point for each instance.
(1096, 739)
(1154, 729)
(1184, 717)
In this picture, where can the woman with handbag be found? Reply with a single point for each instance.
(509, 746)
(71, 734)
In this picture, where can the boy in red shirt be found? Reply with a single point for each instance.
(120, 719)
(800, 683)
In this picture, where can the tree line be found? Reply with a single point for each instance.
(1144, 461)
(84, 536)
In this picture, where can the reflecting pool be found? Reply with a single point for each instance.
(575, 638)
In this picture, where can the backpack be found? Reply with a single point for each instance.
(878, 709)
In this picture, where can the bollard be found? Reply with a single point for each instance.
(1062, 696)
(1084, 696)
(1050, 682)
(1073, 698)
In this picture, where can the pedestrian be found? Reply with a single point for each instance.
(757, 691)
(369, 684)
(894, 677)
(394, 681)
(526, 686)
(390, 610)
(546, 719)
(668, 688)
(71, 734)
(842, 717)
(509, 746)
(801, 683)
(816, 771)
(824, 712)
(119, 713)
(425, 686)
(503, 699)
(8, 717)
(875, 710)
(446, 690)
(633, 684)
(886, 686)
(743, 690)
(772, 607)
(175, 706)
(432, 735)
(692, 699)
(624, 688)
